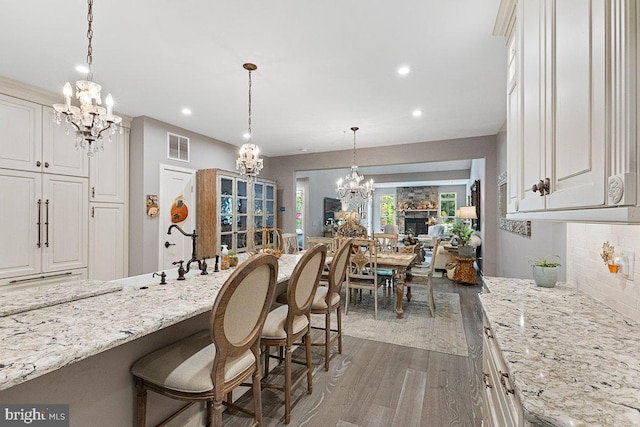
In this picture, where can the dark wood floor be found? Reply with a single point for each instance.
(378, 384)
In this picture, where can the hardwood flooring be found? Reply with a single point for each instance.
(379, 384)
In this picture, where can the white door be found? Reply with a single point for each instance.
(21, 216)
(65, 228)
(175, 182)
(20, 134)
(106, 241)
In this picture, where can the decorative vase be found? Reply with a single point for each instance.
(465, 251)
(545, 277)
(225, 258)
(613, 268)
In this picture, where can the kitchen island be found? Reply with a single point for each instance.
(79, 352)
(571, 360)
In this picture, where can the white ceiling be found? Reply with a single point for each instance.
(323, 66)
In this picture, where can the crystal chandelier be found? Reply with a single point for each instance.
(90, 121)
(351, 189)
(249, 162)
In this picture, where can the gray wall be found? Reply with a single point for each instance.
(148, 149)
(513, 250)
(284, 168)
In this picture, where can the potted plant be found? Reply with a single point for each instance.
(233, 259)
(463, 233)
(545, 272)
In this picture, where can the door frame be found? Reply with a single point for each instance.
(192, 210)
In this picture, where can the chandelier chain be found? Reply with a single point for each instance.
(90, 37)
(354, 147)
(249, 104)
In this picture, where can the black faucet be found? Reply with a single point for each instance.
(194, 246)
(180, 269)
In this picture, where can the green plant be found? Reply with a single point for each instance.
(544, 262)
(463, 232)
(233, 254)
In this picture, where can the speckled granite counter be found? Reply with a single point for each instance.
(574, 361)
(45, 339)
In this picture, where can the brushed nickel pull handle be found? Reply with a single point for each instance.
(39, 224)
(487, 332)
(38, 164)
(46, 164)
(503, 380)
(485, 380)
(46, 223)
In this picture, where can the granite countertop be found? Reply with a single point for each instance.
(573, 360)
(42, 340)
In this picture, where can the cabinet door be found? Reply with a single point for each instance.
(65, 216)
(42, 280)
(532, 84)
(106, 241)
(576, 156)
(20, 134)
(109, 170)
(514, 137)
(59, 154)
(20, 214)
(270, 206)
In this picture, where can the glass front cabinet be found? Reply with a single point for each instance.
(229, 206)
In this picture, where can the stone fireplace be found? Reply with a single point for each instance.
(410, 202)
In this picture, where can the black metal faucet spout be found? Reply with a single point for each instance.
(194, 246)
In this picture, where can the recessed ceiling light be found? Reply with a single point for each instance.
(417, 113)
(82, 69)
(246, 135)
(186, 111)
(404, 70)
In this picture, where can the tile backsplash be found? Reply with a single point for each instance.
(586, 269)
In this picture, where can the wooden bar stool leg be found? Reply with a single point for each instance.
(141, 403)
(287, 384)
(307, 343)
(257, 397)
(339, 315)
(327, 337)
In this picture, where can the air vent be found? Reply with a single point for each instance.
(177, 147)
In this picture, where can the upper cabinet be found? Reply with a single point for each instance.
(571, 117)
(31, 140)
(109, 170)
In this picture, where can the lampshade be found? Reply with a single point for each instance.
(467, 212)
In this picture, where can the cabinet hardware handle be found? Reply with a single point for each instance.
(487, 332)
(46, 223)
(93, 192)
(38, 164)
(167, 244)
(41, 277)
(503, 380)
(485, 380)
(542, 187)
(46, 164)
(93, 212)
(39, 244)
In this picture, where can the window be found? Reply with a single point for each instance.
(299, 204)
(448, 208)
(387, 209)
(177, 147)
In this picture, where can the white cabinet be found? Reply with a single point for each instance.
(107, 251)
(571, 109)
(45, 219)
(31, 140)
(23, 282)
(109, 170)
(500, 406)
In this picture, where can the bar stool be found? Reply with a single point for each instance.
(288, 324)
(210, 364)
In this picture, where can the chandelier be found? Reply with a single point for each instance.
(91, 121)
(249, 162)
(351, 189)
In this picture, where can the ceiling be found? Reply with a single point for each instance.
(323, 66)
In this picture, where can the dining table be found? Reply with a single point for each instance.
(399, 263)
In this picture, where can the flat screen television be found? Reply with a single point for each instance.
(331, 206)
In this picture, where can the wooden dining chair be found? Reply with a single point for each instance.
(428, 284)
(327, 300)
(208, 365)
(362, 271)
(329, 242)
(386, 243)
(288, 324)
(290, 243)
